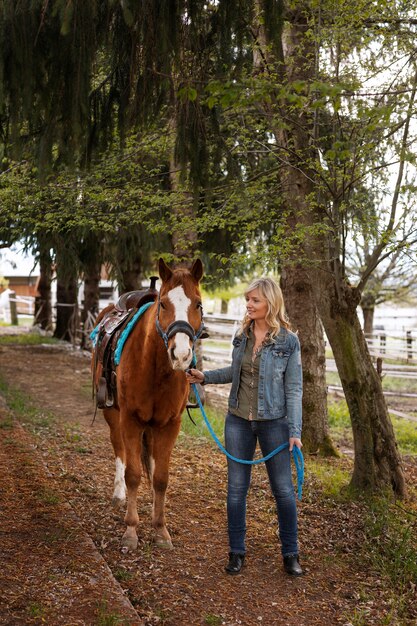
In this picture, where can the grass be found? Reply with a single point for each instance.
(23, 408)
(212, 620)
(404, 385)
(6, 423)
(48, 496)
(391, 548)
(406, 434)
(341, 431)
(334, 481)
(122, 575)
(106, 618)
(389, 383)
(26, 339)
(37, 611)
(215, 417)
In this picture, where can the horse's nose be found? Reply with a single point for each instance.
(180, 356)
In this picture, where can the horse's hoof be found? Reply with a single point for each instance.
(165, 544)
(129, 541)
(118, 503)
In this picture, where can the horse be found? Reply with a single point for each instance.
(151, 395)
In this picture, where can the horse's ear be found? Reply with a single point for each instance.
(165, 272)
(197, 270)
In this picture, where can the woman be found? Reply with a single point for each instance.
(265, 406)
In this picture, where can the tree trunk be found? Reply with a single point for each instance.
(304, 318)
(131, 277)
(66, 309)
(184, 235)
(66, 292)
(298, 296)
(368, 320)
(368, 309)
(43, 307)
(377, 462)
(129, 260)
(91, 292)
(91, 299)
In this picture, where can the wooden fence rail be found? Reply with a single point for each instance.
(399, 345)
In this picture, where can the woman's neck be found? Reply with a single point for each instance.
(260, 326)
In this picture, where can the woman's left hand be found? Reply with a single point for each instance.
(294, 441)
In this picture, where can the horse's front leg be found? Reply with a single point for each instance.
(163, 443)
(132, 438)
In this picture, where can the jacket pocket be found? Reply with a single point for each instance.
(280, 358)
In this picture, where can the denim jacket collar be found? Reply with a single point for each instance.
(277, 340)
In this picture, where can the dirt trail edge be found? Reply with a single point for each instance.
(57, 471)
(51, 570)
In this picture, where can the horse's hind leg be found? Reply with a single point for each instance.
(132, 439)
(112, 417)
(162, 445)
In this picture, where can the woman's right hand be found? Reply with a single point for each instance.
(194, 376)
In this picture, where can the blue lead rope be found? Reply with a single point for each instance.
(297, 454)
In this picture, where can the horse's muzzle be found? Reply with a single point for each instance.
(180, 352)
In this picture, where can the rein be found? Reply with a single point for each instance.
(296, 452)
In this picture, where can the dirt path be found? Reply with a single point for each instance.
(58, 486)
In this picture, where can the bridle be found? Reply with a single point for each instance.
(179, 326)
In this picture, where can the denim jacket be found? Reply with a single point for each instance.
(280, 388)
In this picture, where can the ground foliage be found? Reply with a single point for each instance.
(347, 546)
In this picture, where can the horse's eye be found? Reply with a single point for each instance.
(162, 305)
(199, 305)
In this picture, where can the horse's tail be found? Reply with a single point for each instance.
(146, 453)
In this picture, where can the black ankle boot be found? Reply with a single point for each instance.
(292, 565)
(235, 563)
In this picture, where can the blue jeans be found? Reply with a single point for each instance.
(240, 437)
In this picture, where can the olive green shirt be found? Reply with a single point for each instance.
(247, 406)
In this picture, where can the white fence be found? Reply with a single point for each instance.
(24, 305)
(400, 344)
(396, 345)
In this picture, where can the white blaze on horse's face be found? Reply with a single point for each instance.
(180, 349)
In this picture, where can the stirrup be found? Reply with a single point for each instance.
(104, 400)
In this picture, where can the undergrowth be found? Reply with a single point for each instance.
(27, 339)
(391, 550)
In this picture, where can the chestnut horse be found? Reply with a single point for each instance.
(152, 393)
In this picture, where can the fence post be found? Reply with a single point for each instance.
(13, 309)
(383, 342)
(379, 367)
(409, 342)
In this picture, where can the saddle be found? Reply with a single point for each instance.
(109, 331)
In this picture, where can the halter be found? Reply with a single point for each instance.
(179, 326)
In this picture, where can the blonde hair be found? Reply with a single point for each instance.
(276, 315)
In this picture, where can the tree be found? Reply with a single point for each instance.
(394, 278)
(319, 198)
